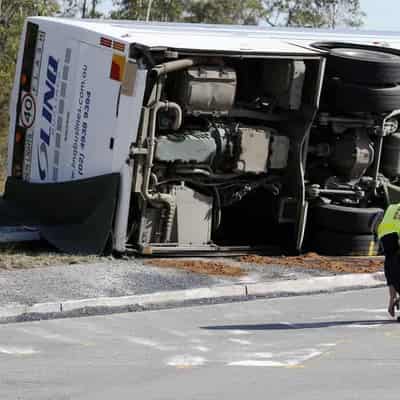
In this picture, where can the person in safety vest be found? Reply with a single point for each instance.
(388, 233)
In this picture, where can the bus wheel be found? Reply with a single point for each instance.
(364, 66)
(347, 219)
(333, 243)
(353, 97)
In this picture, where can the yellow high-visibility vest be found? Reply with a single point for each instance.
(390, 222)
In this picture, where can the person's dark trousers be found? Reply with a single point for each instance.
(390, 245)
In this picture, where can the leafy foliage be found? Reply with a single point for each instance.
(12, 16)
(159, 10)
(80, 8)
(245, 12)
(70, 8)
(314, 13)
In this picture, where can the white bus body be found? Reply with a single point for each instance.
(202, 123)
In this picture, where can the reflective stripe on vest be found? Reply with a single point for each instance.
(390, 222)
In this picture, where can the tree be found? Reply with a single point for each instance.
(93, 9)
(81, 8)
(158, 10)
(69, 8)
(314, 13)
(245, 12)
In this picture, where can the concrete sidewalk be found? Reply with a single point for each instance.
(118, 286)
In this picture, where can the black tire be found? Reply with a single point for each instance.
(347, 219)
(349, 97)
(332, 243)
(364, 66)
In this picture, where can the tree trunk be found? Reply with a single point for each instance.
(93, 11)
(84, 9)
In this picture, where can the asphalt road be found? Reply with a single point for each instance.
(335, 346)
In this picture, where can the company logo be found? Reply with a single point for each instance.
(28, 110)
(48, 110)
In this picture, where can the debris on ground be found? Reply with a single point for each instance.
(314, 261)
(199, 266)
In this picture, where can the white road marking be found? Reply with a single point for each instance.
(186, 360)
(301, 359)
(257, 363)
(203, 349)
(149, 343)
(364, 326)
(284, 359)
(176, 333)
(42, 333)
(23, 351)
(239, 332)
(262, 355)
(240, 341)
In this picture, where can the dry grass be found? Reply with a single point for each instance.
(201, 267)
(24, 257)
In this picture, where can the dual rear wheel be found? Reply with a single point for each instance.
(361, 80)
(358, 79)
(345, 231)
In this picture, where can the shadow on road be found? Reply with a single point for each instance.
(305, 325)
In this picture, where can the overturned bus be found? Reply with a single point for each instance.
(181, 138)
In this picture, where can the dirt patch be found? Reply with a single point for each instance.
(201, 267)
(306, 261)
(314, 261)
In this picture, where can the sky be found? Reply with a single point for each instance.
(381, 14)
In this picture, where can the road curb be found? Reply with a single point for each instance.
(106, 305)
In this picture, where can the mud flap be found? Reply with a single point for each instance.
(75, 216)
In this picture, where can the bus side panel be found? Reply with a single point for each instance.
(58, 57)
(87, 149)
(66, 113)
